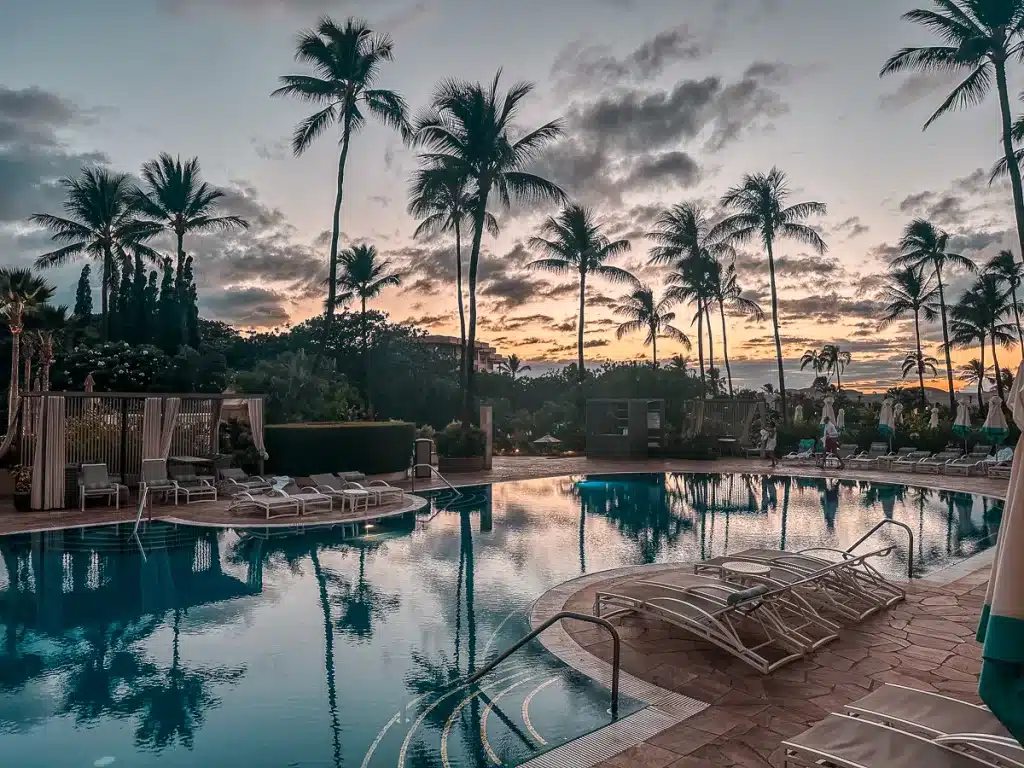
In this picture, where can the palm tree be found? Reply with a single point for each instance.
(813, 359)
(836, 359)
(102, 222)
(21, 293)
(761, 211)
(575, 244)
(513, 366)
(50, 323)
(973, 372)
(443, 198)
(646, 314)
(468, 130)
(363, 276)
(346, 64)
(725, 290)
(924, 245)
(1011, 272)
(985, 305)
(915, 361)
(968, 327)
(679, 363)
(980, 37)
(682, 237)
(910, 293)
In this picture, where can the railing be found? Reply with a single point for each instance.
(558, 617)
(143, 496)
(433, 469)
(904, 526)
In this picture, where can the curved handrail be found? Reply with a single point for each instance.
(904, 526)
(586, 617)
(433, 469)
(143, 495)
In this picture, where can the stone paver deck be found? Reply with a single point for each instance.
(926, 642)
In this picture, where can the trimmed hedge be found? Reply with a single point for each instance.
(373, 448)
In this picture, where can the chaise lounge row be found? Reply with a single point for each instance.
(980, 461)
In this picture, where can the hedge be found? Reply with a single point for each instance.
(372, 448)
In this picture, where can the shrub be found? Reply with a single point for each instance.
(456, 442)
(369, 447)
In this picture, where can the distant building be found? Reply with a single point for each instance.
(485, 359)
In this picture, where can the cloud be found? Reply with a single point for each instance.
(968, 201)
(828, 307)
(676, 167)
(916, 87)
(849, 228)
(249, 306)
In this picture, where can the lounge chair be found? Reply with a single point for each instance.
(192, 486)
(935, 464)
(842, 741)
(803, 452)
(96, 483)
(847, 451)
(155, 479)
(886, 461)
(973, 463)
(848, 586)
(329, 485)
(273, 504)
(234, 480)
(715, 611)
(933, 715)
(907, 462)
(351, 477)
(869, 459)
(1000, 464)
(380, 489)
(308, 498)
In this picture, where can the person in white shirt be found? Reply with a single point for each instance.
(832, 440)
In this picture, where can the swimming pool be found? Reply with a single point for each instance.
(344, 646)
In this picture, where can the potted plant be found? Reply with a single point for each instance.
(460, 449)
(22, 487)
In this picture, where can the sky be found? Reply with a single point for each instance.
(663, 103)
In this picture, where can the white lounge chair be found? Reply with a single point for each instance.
(273, 504)
(869, 459)
(1000, 464)
(192, 486)
(886, 461)
(907, 462)
(155, 479)
(96, 483)
(234, 480)
(309, 499)
(973, 463)
(935, 464)
(329, 485)
(380, 489)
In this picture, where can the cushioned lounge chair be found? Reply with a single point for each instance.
(310, 499)
(973, 463)
(192, 486)
(886, 461)
(95, 483)
(234, 480)
(155, 479)
(272, 504)
(869, 459)
(804, 452)
(907, 462)
(379, 489)
(330, 485)
(935, 464)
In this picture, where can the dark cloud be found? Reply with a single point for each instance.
(968, 202)
(750, 264)
(917, 86)
(849, 228)
(676, 168)
(249, 306)
(828, 307)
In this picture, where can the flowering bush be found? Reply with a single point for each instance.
(115, 366)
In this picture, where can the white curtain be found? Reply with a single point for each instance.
(171, 407)
(38, 450)
(151, 428)
(255, 405)
(55, 458)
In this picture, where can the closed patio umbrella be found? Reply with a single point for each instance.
(828, 411)
(897, 413)
(798, 415)
(841, 419)
(995, 423)
(962, 424)
(1001, 629)
(887, 419)
(933, 421)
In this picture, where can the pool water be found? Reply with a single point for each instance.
(350, 646)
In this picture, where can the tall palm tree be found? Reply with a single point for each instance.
(443, 198)
(346, 64)
(679, 363)
(21, 293)
(761, 211)
(987, 303)
(513, 366)
(812, 359)
(726, 291)
(49, 325)
(102, 222)
(980, 37)
(1011, 272)
(644, 313)
(968, 327)
(915, 361)
(469, 129)
(364, 276)
(682, 238)
(836, 360)
(574, 244)
(973, 372)
(909, 292)
(923, 245)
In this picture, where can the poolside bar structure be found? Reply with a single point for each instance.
(56, 432)
(626, 429)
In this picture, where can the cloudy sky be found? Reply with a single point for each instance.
(663, 102)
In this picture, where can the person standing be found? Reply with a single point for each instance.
(769, 439)
(831, 435)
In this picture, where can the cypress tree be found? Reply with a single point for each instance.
(168, 317)
(140, 320)
(150, 308)
(83, 296)
(114, 302)
(190, 306)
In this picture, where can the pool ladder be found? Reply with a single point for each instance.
(433, 469)
(879, 524)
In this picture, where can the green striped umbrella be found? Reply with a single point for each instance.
(1001, 629)
(962, 425)
(886, 419)
(995, 423)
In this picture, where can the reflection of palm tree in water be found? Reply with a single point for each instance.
(830, 504)
(332, 692)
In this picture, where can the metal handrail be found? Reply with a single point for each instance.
(558, 617)
(904, 526)
(143, 496)
(433, 469)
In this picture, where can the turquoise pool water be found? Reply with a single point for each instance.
(348, 646)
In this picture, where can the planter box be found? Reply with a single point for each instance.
(455, 466)
(23, 502)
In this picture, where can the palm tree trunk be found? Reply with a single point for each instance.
(104, 289)
(725, 347)
(654, 347)
(12, 397)
(365, 356)
(700, 352)
(332, 274)
(479, 215)
(981, 380)
(920, 361)
(462, 307)
(325, 608)
(1011, 161)
(1016, 315)
(775, 327)
(995, 364)
(579, 330)
(711, 339)
(839, 379)
(945, 341)
(181, 292)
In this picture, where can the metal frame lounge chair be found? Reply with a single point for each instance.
(803, 452)
(330, 485)
(192, 486)
(95, 483)
(380, 489)
(972, 463)
(1000, 464)
(307, 497)
(934, 715)
(850, 587)
(886, 461)
(715, 611)
(841, 741)
(269, 503)
(869, 459)
(155, 479)
(935, 464)
(907, 462)
(234, 480)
